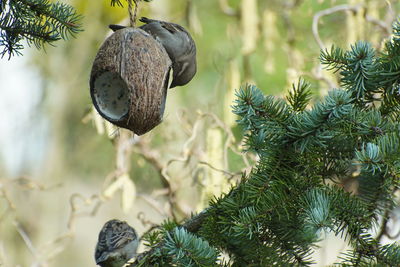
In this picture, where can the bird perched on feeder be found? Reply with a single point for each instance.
(179, 45)
(117, 244)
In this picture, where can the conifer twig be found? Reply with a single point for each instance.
(192, 225)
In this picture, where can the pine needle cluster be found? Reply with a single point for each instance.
(35, 21)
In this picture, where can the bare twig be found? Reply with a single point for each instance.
(188, 10)
(30, 184)
(229, 174)
(316, 73)
(153, 203)
(230, 139)
(142, 218)
(27, 240)
(387, 29)
(226, 9)
(41, 254)
(325, 12)
(10, 205)
(382, 230)
(152, 157)
(75, 207)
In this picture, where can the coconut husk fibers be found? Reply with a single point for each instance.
(143, 65)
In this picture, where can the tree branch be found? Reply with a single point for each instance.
(192, 225)
(325, 12)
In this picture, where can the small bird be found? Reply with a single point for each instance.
(179, 45)
(117, 244)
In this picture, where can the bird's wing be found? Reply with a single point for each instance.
(120, 239)
(169, 26)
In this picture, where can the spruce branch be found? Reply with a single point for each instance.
(276, 213)
(192, 225)
(300, 96)
(38, 22)
(187, 249)
(333, 59)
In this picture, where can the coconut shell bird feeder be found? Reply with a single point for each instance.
(129, 80)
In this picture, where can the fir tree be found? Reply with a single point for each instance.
(35, 21)
(276, 214)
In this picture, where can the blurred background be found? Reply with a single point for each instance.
(64, 171)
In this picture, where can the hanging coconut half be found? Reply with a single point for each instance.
(129, 80)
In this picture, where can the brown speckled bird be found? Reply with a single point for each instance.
(179, 45)
(116, 245)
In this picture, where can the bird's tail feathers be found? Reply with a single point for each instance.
(116, 27)
(146, 20)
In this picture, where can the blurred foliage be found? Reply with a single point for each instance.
(172, 166)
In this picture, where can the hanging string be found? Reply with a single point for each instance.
(132, 14)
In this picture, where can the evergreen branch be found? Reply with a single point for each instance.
(391, 102)
(265, 118)
(360, 74)
(62, 17)
(192, 225)
(300, 96)
(358, 68)
(371, 158)
(380, 156)
(369, 253)
(116, 3)
(66, 21)
(376, 192)
(38, 22)
(307, 129)
(389, 254)
(334, 59)
(185, 249)
(390, 73)
(317, 207)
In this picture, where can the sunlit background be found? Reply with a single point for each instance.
(64, 171)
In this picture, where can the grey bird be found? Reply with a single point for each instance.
(179, 45)
(117, 244)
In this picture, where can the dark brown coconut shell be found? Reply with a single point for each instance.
(129, 80)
